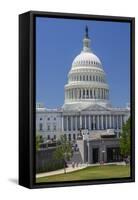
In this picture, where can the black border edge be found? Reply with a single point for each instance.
(133, 98)
(27, 178)
(24, 57)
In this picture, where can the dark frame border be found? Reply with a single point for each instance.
(27, 97)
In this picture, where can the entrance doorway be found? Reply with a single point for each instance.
(113, 155)
(95, 155)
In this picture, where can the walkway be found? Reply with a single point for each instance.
(71, 169)
(61, 171)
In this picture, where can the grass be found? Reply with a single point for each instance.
(90, 173)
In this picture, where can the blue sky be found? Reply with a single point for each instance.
(58, 41)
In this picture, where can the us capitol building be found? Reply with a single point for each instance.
(87, 115)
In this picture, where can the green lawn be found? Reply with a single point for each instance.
(90, 173)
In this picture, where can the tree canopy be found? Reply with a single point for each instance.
(39, 140)
(125, 140)
(63, 150)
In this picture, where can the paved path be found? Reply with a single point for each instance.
(71, 169)
(61, 171)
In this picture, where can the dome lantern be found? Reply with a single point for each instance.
(86, 41)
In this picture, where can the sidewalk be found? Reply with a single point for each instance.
(71, 169)
(61, 171)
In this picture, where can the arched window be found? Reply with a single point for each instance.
(93, 78)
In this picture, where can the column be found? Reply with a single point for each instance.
(89, 122)
(121, 121)
(81, 93)
(89, 94)
(100, 93)
(106, 122)
(98, 122)
(80, 121)
(67, 122)
(85, 122)
(117, 121)
(89, 153)
(92, 93)
(93, 122)
(113, 122)
(96, 93)
(110, 122)
(73, 94)
(85, 93)
(71, 123)
(76, 128)
(101, 121)
(78, 93)
(62, 123)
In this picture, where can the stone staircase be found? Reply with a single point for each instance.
(76, 158)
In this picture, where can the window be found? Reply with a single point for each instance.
(83, 93)
(54, 137)
(54, 127)
(48, 127)
(48, 118)
(48, 137)
(40, 126)
(40, 119)
(55, 118)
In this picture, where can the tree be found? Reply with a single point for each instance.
(63, 150)
(38, 141)
(125, 141)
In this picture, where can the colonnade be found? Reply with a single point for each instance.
(92, 122)
(87, 93)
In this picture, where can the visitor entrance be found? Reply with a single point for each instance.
(95, 155)
(113, 155)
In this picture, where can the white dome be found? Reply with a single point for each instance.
(86, 80)
(86, 59)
